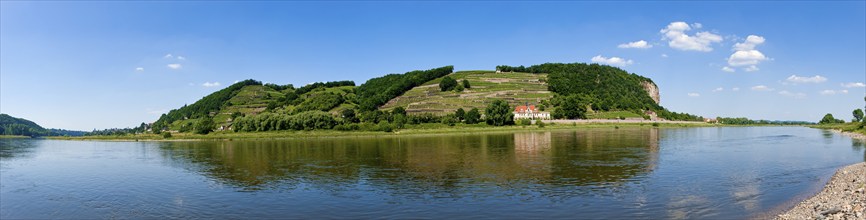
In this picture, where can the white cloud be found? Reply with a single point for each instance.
(746, 58)
(750, 43)
(210, 84)
(735, 89)
(805, 79)
(139, 69)
(175, 66)
(665, 55)
(168, 56)
(675, 32)
(853, 84)
(613, 61)
(728, 69)
(761, 88)
(694, 94)
(798, 95)
(745, 54)
(181, 58)
(641, 44)
(719, 89)
(833, 92)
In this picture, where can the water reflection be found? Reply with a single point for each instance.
(16, 148)
(427, 164)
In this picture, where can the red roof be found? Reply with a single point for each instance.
(523, 108)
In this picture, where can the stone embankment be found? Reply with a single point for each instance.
(844, 197)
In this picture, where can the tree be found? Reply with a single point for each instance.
(828, 119)
(349, 115)
(473, 116)
(498, 113)
(459, 88)
(858, 115)
(466, 84)
(204, 125)
(572, 107)
(449, 120)
(447, 83)
(460, 114)
(399, 111)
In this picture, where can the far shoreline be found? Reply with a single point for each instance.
(411, 130)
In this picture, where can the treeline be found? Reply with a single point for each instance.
(498, 113)
(579, 86)
(18, 126)
(316, 85)
(119, 131)
(746, 121)
(378, 91)
(63, 132)
(202, 107)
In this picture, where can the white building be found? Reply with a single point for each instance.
(530, 112)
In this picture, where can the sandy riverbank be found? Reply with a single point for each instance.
(844, 197)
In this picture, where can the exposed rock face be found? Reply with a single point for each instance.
(652, 90)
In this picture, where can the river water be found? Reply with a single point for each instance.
(608, 173)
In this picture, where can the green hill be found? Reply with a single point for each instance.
(18, 126)
(573, 90)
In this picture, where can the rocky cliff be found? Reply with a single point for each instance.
(652, 90)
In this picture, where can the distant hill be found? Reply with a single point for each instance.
(18, 126)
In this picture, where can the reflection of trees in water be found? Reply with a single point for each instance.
(17, 148)
(604, 156)
(449, 165)
(858, 145)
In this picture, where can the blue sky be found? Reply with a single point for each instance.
(86, 65)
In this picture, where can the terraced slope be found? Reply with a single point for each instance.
(249, 100)
(486, 86)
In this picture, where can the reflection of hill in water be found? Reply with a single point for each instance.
(433, 164)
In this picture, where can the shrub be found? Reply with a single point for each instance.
(524, 122)
(473, 116)
(166, 135)
(466, 84)
(539, 123)
(204, 125)
(449, 120)
(458, 88)
(447, 83)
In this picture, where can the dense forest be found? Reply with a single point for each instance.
(601, 87)
(377, 91)
(18, 126)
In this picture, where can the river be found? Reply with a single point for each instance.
(607, 173)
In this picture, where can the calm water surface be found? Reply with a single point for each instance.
(635, 173)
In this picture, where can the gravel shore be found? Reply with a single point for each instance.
(844, 197)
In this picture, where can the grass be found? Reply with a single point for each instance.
(13, 136)
(613, 115)
(853, 127)
(486, 86)
(422, 129)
